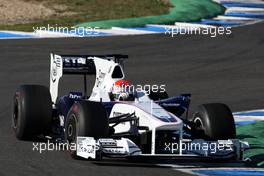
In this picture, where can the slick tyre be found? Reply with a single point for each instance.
(32, 111)
(214, 122)
(88, 119)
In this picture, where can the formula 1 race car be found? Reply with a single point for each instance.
(116, 121)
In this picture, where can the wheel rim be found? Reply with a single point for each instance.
(198, 123)
(70, 130)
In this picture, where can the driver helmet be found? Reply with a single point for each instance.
(120, 90)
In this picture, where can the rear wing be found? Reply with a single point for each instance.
(84, 64)
(76, 64)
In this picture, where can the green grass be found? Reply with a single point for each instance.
(254, 134)
(182, 11)
(93, 10)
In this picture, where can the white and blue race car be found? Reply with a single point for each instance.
(115, 121)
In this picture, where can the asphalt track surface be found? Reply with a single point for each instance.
(225, 69)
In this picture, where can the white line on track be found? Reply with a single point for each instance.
(222, 17)
(244, 9)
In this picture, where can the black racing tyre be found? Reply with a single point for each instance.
(86, 118)
(158, 95)
(214, 122)
(32, 111)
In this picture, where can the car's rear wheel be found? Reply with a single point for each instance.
(32, 111)
(214, 122)
(88, 119)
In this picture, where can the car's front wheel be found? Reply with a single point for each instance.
(214, 121)
(87, 119)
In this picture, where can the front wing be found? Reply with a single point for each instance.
(88, 147)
